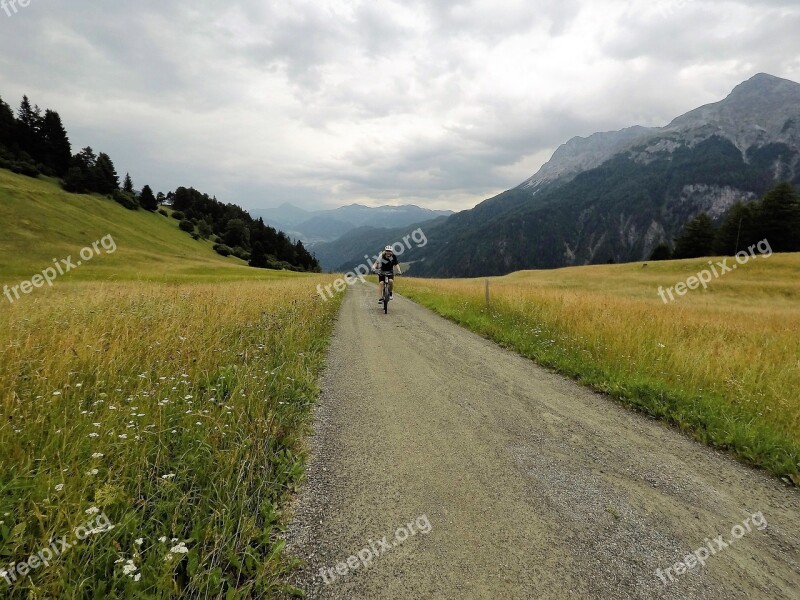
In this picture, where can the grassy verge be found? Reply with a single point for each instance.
(175, 409)
(721, 364)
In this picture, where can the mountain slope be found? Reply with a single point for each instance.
(41, 222)
(575, 211)
(348, 251)
(581, 154)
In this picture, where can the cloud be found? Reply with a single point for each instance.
(330, 102)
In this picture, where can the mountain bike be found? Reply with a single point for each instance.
(387, 293)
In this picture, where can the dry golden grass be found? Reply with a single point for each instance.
(723, 363)
(178, 410)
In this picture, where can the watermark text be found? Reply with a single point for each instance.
(364, 557)
(60, 267)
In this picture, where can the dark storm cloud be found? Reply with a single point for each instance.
(331, 101)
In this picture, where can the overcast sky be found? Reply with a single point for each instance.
(329, 102)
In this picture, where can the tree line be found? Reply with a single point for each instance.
(34, 142)
(775, 217)
(237, 233)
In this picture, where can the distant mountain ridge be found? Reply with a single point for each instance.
(581, 154)
(314, 227)
(732, 118)
(615, 196)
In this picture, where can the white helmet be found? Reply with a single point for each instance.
(388, 249)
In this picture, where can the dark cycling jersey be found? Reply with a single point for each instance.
(387, 264)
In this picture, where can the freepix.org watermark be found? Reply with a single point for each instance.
(374, 549)
(361, 271)
(11, 7)
(60, 267)
(100, 524)
(704, 277)
(711, 547)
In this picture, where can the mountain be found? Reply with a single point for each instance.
(348, 251)
(617, 195)
(581, 154)
(286, 215)
(315, 227)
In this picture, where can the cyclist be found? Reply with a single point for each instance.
(386, 263)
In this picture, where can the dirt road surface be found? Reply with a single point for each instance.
(533, 486)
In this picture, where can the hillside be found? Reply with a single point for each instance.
(616, 196)
(41, 222)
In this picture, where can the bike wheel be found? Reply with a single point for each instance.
(385, 299)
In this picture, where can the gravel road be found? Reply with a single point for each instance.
(516, 482)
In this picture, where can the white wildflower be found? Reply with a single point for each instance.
(179, 548)
(128, 568)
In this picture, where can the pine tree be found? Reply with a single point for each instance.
(81, 176)
(147, 199)
(27, 115)
(57, 151)
(778, 218)
(127, 186)
(87, 158)
(696, 239)
(29, 121)
(8, 128)
(258, 258)
(105, 175)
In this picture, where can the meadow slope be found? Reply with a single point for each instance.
(158, 396)
(41, 222)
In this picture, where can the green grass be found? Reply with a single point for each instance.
(721, 364)
(41, 223)
(164, 386)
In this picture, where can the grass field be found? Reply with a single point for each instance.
(722, 364)
(42, 223)
(158, 395)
